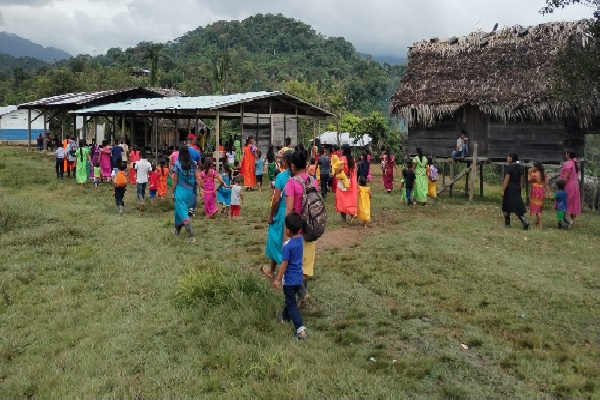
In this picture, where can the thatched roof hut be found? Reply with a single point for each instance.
(487, 84)
(508, 74)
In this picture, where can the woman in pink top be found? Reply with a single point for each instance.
(569, 173)
(105, 166)
(294, 191)
(208, 177)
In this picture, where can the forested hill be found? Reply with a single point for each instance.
(259, 53)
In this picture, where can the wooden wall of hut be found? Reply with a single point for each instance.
(539, 141)
(283, 126)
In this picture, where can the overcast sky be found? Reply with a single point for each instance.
(380, 27)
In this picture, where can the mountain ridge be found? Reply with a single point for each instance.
(17, 46)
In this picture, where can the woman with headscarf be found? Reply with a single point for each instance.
(346, 201)
(248, 165)
(105, 161)
(277, 216)
(512, 202)
(185, 177)
(421, 184)
(568, 173)
(83, 160)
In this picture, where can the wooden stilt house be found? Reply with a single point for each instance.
(499, 88)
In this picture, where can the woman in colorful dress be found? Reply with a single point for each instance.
(207, 178)
(346, 202)
(248, 165)
(568, 173)
(185, 177)
(83, 159)
(537, 179)
(388, 172)
(419, 166)
(277, 216)
(224, 190)
(105, 161)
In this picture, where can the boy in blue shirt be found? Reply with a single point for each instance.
(259, 168)
(560, 204)
(290, 273)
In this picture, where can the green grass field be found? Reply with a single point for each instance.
(93, 304)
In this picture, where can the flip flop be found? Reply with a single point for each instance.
(267, 271)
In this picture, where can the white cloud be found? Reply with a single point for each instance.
(377, 26)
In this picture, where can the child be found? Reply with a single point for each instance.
(142, 170)
(163, 175)
(343, 181)
(290, 273)
(364, 201)
(224, 190)
(235, 172)
(409, 182)
(96, 174)
(237, 198)
(312, 168)
(153, 184)
(432, 177)
(560, 204)
(120, 186)
(230, 158)
(259, 167)
(537, 177)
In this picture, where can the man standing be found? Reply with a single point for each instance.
(60, 162)
(325, 168)
(143, 169)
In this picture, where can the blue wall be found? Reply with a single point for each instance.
(19, 134)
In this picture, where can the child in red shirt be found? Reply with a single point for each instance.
(153, 182)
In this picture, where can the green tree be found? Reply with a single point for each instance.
(152, 52)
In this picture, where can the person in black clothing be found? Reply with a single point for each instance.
(325, 172)
(512, 202)
(363, 166)
(409, 182)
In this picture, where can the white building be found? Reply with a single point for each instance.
(13, 124)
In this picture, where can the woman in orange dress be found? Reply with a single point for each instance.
(248, 164)
(134, 156)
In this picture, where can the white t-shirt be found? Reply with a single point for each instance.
(143, 168)
(459, 143)
(230, 157)
(236, 191)
(60, 152)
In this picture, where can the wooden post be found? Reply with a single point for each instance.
(123, 131)
(473, 172)
(467, 179)
(45, 131)
(525, 175)
(84, 129)
(271, 120)
(29, 129)
(62, 126)
(217, 134)
(155, 129)
(451, 189)
(481, 181)
(146, 132)
(444, 174)
(132, 130)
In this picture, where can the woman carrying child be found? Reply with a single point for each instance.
(208, 177)
(537, 178)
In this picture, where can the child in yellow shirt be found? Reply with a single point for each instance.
(364, 201)
(343, 181)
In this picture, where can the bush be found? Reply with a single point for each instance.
(221, 286)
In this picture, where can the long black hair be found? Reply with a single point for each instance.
(287, 157)
(82, 144)
(573, 156)
(185, 159)
(540, 167)
(347, 152)
(299, 158)
(420, 153)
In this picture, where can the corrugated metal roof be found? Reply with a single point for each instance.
(191, 103)
(7, 109)
(78, 98)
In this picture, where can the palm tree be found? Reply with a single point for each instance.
(152, 53)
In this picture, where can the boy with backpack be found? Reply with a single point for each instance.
(120, 186)
(432, 177)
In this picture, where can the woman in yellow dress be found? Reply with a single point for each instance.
(432, 176)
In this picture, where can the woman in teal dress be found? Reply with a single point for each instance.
(185, 177)
(83, 162)
(420, 168)
(277, 217)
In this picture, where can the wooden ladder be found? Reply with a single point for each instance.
(453, 181)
